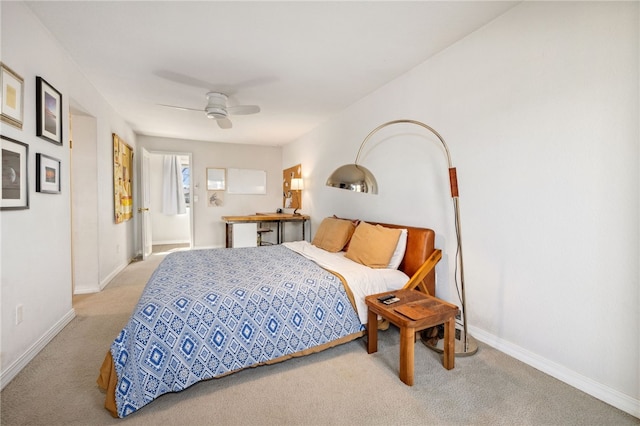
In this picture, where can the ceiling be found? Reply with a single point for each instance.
(301, 62)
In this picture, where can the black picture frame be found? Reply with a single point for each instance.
(15, 174)
(48, 112)
(47, 174)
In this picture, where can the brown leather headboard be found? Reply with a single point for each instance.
(420, 246)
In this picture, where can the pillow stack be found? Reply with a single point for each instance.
(374, 246)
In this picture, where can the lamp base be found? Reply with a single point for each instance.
(438, 344)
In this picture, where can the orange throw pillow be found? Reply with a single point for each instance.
(333, 234)
(372, 245)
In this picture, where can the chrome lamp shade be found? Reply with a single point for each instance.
(353, 178)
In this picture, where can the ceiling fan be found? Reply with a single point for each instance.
(218, 109)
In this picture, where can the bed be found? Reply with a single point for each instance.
(205, 314)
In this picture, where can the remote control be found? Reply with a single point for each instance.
(390, 301)
(387, 297)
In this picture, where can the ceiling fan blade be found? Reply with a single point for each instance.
(182, 108)
(185, 79)
(243, 109)
(229, 89)
(224, 123)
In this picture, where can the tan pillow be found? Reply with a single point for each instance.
(372, 245)
(355, 223)
(333, 234)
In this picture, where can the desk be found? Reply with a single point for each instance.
(279, 218)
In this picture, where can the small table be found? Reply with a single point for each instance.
(414, 312)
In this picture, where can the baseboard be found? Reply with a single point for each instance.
(597, 390)
(86, 290)
(165, 242)
(101, 285)
(112, 275)
(12, 371)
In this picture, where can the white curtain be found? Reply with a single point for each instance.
(172, 190)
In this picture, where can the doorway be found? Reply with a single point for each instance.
(83, 163)
(169, 230)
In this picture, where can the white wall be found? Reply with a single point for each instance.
(166, 229)
(36, 243)
(84, 194)
(540, 111)
(209, 229)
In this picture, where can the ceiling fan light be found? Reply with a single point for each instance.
(216, 113)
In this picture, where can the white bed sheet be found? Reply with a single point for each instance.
(362, 280)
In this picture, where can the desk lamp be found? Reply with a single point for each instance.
(297, 185)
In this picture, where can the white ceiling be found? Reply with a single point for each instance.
(301, 62)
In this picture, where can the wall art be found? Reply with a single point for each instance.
(122, 180)
(47, 174)
(15, 176)
(48, 112)
(216, 179)
(12, 110)
(215, 198)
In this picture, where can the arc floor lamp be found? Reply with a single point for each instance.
(355, 177)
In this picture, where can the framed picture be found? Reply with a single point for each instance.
(48, 112)
(216, 179)
(122, 180)
(215, 198)
(47, 174)
(12, 111)
(15, 176)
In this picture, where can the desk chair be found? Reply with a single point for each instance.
(262, 231)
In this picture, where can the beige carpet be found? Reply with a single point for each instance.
(342, 385)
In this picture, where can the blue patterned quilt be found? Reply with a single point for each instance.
(205, 313)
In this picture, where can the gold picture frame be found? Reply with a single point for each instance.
(12, 109)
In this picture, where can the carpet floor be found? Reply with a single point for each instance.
(342, 385)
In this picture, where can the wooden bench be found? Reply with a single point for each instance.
(414, 312)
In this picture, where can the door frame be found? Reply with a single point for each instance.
(191, 189)
(143, 210)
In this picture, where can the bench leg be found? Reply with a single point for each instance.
(448, 360)
(407, 347)
(372, 332)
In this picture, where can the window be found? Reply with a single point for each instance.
(186, 183)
